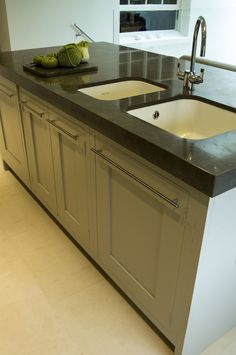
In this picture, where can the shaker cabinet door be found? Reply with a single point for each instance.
(39, 149)
(140, 232)
(71, 174)
(12, 138)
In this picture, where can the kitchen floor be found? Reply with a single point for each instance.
(53, 301)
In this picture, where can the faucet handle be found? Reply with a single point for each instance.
(180, 74)
(202, 74)
(199, 78)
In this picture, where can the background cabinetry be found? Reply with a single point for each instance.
(58, 165)
(71, 176)
(38, 141)
(12, 138)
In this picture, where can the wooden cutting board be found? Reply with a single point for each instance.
(48, 72)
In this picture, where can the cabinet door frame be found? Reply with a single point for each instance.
(9, 95)
(76, 137)
(34, 113)
(147, 302)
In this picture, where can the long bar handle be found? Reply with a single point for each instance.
(32, 110)
(6, 93)
(156, 192)
(63, 130)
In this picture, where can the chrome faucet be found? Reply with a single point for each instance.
(80, 32)
(189, 77)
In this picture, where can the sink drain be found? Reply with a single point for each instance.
(155, 115)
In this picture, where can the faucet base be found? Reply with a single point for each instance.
(189, 78)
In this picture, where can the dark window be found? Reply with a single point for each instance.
(171, 2)
(132, 21)
(134, 2)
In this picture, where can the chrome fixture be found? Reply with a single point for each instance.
(80, 32)
(189, 77)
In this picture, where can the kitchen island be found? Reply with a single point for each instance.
(155, 211)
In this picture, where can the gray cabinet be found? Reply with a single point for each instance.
(58, 166)
(159, 239)
(38, 141)
(12, 138)
(141, 221)
(168, 246)
(71, 176)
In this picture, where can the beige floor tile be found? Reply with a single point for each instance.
(17, 215)
(16, 283)
(38, 237)
(59, 268)
(8, 188)
(108, 324)
(54, 257)
(30, 327)
(7, 252)
(58, 286)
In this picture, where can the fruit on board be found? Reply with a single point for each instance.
(37, 59)
(69, 55)
(49, 62)
(83, 46)
(52, 54)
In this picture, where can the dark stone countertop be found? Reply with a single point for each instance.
(209, 165)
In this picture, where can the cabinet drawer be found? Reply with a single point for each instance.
(33, 107)
(7, 88)
(168, 192)
(8, 92)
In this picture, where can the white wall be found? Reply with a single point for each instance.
(220, 17)
(4, 33)
(45, 23)
(48, 22)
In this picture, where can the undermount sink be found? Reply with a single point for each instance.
(120, 89)
(188, 118)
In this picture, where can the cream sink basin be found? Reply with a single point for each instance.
(120, 89)
(188, 118)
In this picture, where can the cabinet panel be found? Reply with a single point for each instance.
(12, 139)
(140, 234)
(135, 221)
(39, 151)
(71, 175)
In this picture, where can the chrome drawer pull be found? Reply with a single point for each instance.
(6, 93)
(156, 192)
(30, 109)
(73, 136)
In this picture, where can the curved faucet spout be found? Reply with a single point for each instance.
(200, 22)
(189, 77)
